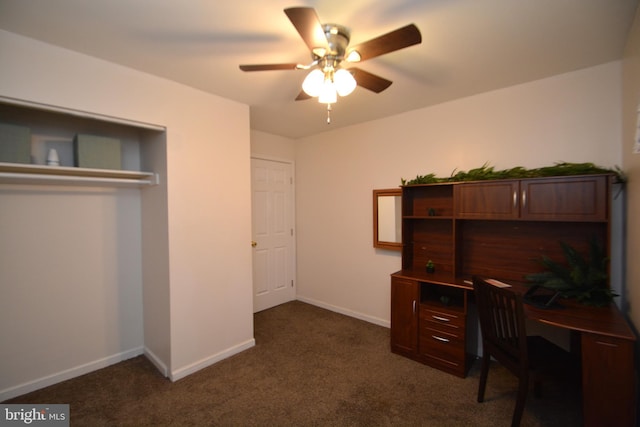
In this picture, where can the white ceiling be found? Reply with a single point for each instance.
(468, 47)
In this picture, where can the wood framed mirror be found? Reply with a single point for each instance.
(387, 219)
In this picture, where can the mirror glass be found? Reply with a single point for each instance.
(387, 215)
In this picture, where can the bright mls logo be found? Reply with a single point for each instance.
(36, 415)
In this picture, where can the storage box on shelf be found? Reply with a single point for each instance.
(15, 143)
(95, 151)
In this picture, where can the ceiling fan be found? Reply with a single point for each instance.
(330, 50)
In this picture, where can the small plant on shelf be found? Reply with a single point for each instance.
(430, 267)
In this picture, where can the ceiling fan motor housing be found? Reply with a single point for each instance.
(338, 37)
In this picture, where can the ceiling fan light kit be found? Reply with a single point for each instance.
(325, 84)
(328, 46)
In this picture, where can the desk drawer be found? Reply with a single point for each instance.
(442, 317)
(442, 344)
(443, 350)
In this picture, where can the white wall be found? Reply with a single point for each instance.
(574, 117)
(270, 146)
(200, 301)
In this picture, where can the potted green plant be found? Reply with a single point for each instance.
(580, 278)
(430, 267)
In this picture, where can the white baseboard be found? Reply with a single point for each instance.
(67, 374)
(157, 362)
(208, 361)
(346, 312)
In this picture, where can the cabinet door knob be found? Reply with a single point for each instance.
(254, 243)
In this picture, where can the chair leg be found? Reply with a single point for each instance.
(523, 388)
(484, 372)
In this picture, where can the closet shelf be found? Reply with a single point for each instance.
(40, 174)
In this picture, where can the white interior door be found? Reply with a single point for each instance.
(272, 230)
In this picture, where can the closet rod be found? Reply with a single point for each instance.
(77, 179)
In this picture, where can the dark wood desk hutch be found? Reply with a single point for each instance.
(498, 229)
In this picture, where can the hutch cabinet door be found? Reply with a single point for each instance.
(582, 198)
(487, 200)
(404, 316)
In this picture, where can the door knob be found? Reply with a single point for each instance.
(254, 243)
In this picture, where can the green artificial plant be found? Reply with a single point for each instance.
(580, 278)
(487, 172)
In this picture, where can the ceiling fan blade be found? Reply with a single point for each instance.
(370, 81)
(395, 40)
(267, 67)
(302, 96)
(306, 21)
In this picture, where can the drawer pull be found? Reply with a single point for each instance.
(442, 319)
(439, 338)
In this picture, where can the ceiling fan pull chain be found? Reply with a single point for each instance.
(328, 114)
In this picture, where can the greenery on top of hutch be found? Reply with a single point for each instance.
(486, 172)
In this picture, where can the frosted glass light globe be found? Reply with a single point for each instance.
(312, 84)
(344, 81)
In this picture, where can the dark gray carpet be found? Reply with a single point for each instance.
(310, 367)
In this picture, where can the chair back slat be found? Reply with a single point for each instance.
(502, 323)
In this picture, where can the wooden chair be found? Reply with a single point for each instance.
(504, 337)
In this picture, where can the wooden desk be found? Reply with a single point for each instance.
(607, 346)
